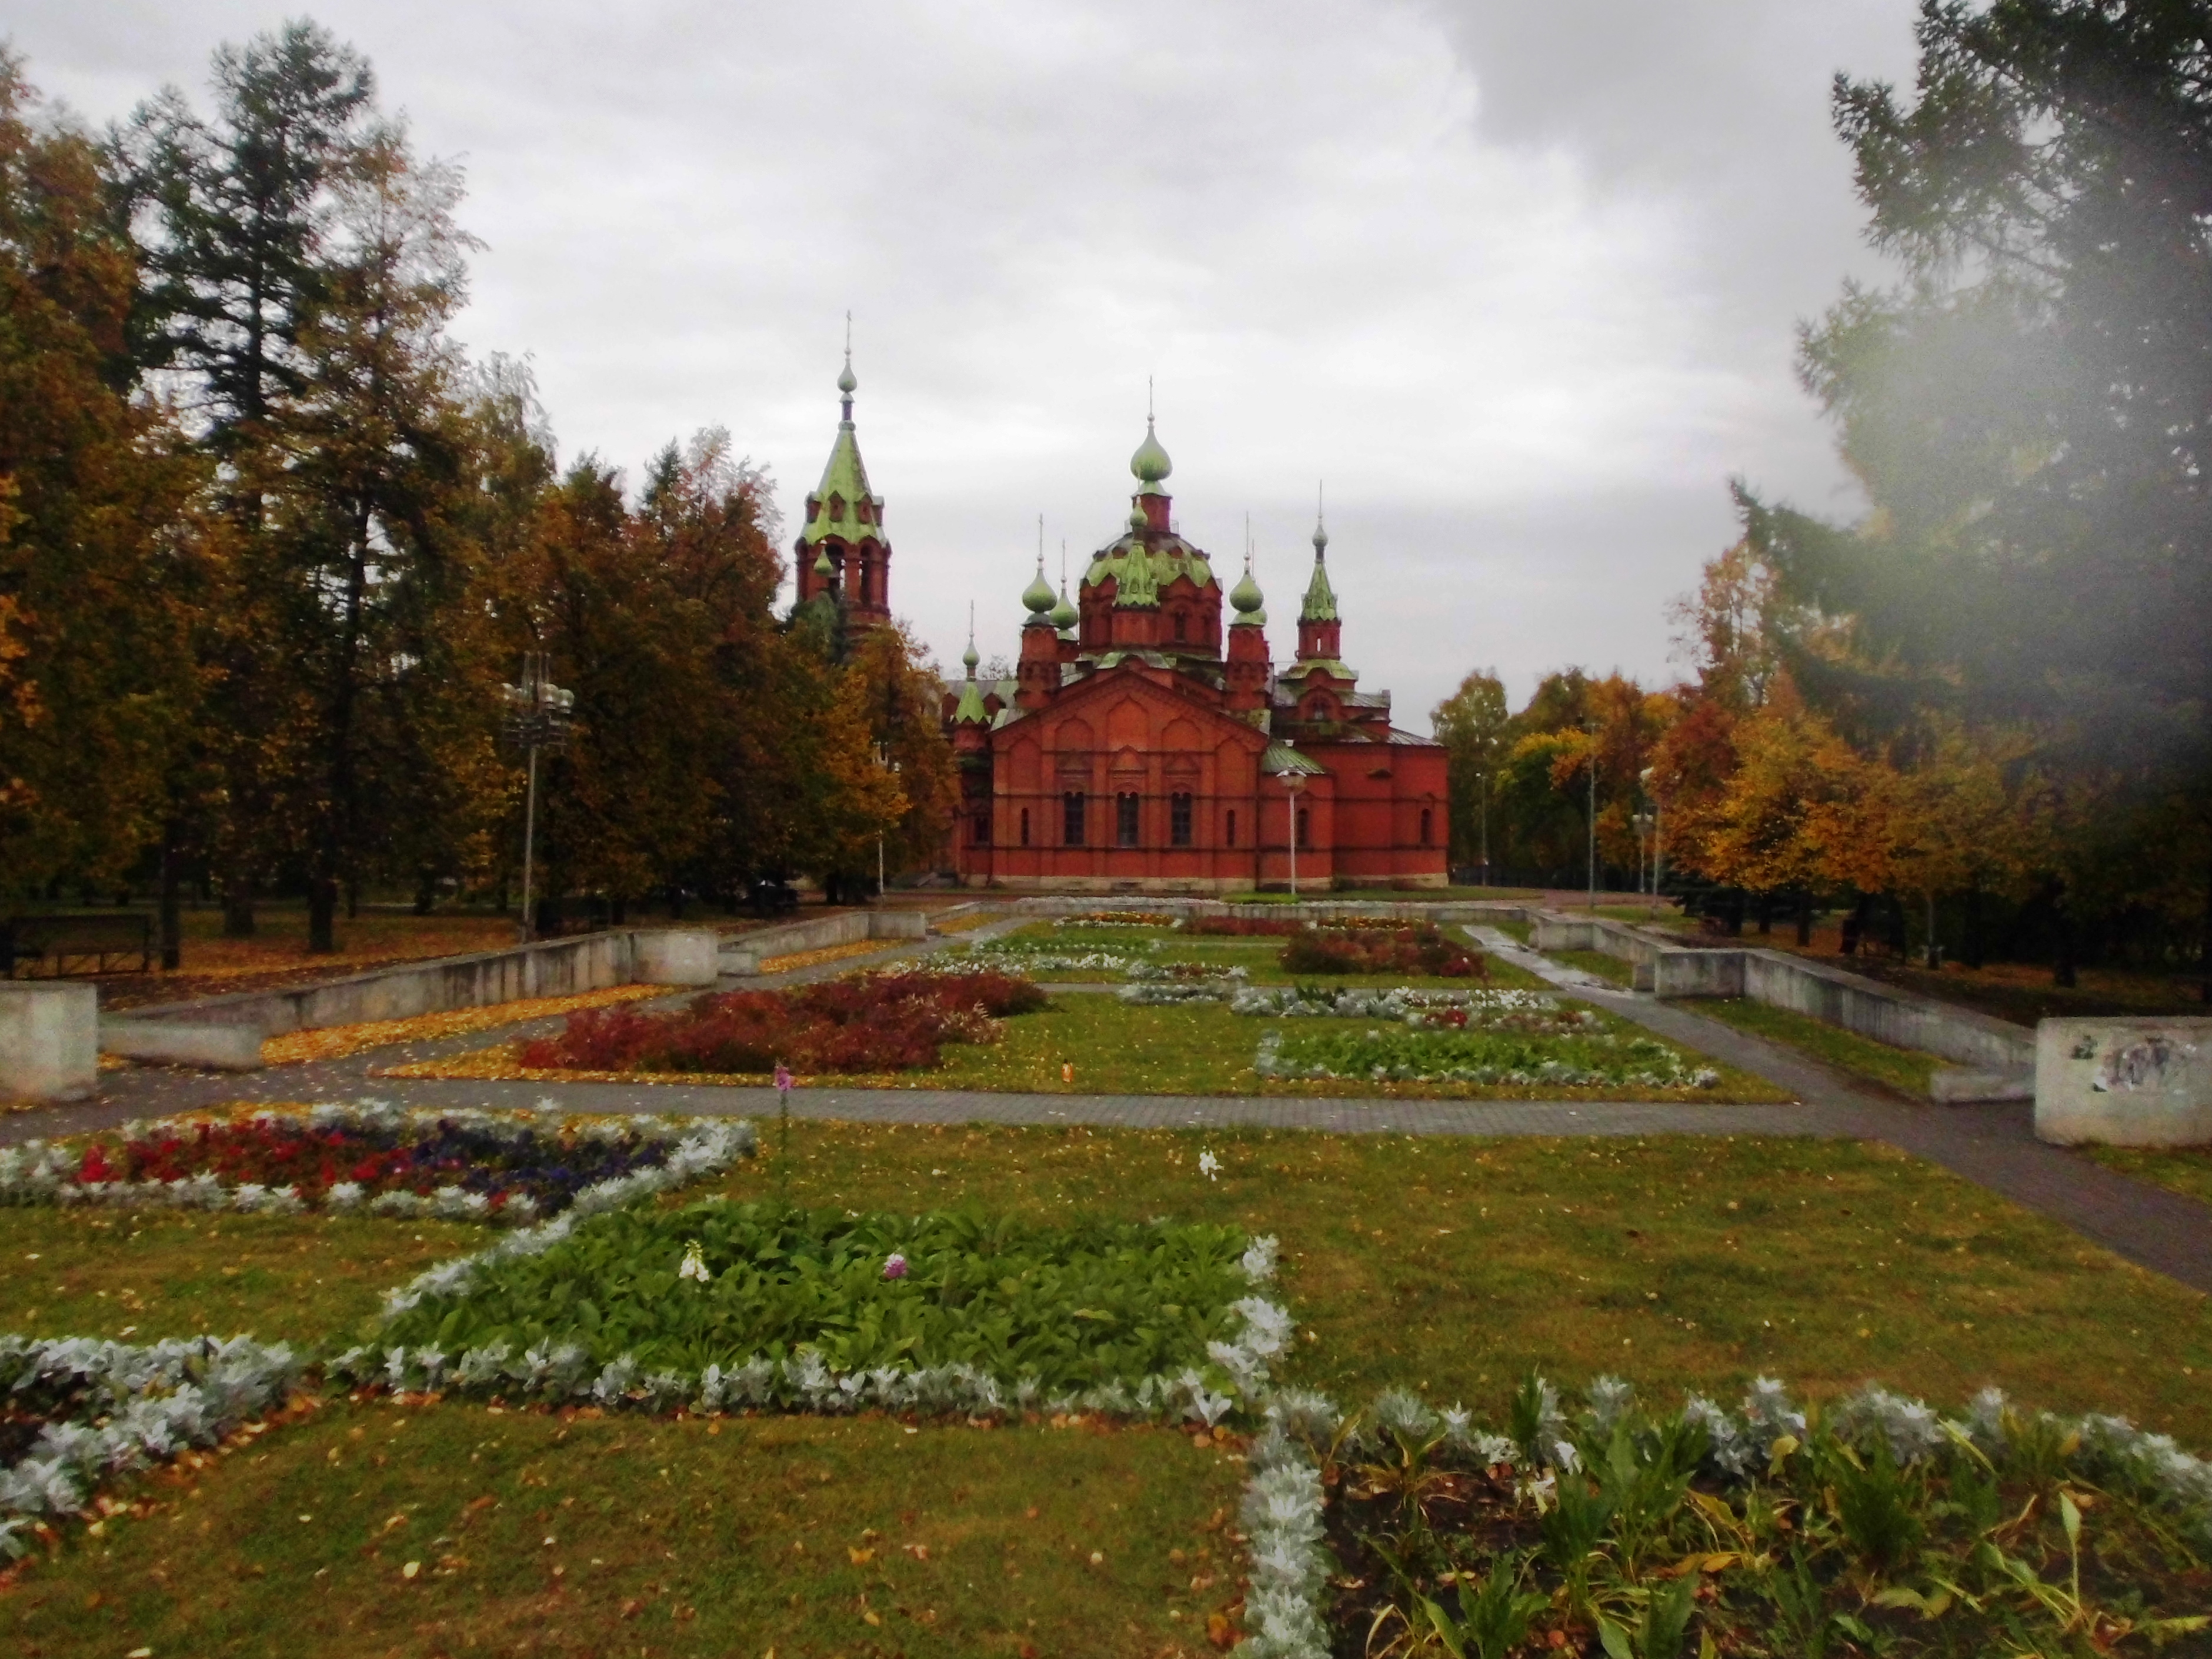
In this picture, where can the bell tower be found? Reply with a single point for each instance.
(842, 550)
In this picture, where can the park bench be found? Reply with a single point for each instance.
(60, 944)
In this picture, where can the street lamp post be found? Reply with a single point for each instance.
(537, 716)
(1292, 783)
(1593, 819)
(1486, 826)
(1658, 830)
(1643, 823)
(883, 763)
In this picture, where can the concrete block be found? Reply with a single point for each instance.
(178, 1042)
(1557, 933)
(675, 956)
(49, 1040)
(1957, 1086)
(2123, 1082)
(1697, 973)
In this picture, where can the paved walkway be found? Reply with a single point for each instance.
(1992, 1146)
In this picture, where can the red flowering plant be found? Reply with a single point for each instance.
(1420, 948)
(465, 1164)
(869, 1022)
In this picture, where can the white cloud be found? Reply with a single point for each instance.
(1519, 282)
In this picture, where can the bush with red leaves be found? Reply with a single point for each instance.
(873, 1023)
(1418, 948)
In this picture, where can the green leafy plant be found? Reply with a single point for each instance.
(1493, 1621)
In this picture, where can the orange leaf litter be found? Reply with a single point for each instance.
(335, 1042)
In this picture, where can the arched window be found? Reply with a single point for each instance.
(1127, 809)
(1071, 818)
(983, 828)
(1025, 826)
(1304, 837)
(1181, 624)
(1231, 836)
(1426, 821)
(1179, 820)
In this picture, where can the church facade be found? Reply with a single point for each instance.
(1147, 742)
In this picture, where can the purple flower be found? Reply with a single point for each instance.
(895, 1267)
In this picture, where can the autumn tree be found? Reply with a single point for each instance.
(102, 563)
(1471, 725)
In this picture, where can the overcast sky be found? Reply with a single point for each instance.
(1517, 279)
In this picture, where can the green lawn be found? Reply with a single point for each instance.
(2184, 1169)
(1202, 1048)
(1905, 1070)
(1442, 1264)
(1610, 968)
(145, 1274)
(528, 1533)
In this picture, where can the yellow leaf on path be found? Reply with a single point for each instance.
(860, 1556)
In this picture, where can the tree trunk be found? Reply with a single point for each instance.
(1935, 950)
(172, 919)
(2061, 922)
(322, 916)
(2204, 949)
(352, 898)
(238, 905)
(1804, 916)
(425, 894)
(1971, 946)
(1898, 941)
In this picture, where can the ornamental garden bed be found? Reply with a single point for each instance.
(866, 1022)
(1441, 1267)
(722, 1305)
(1874, 1526)
(1180, 1038)
(1376, 950)
(371, 1156)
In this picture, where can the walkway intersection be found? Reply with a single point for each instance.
(1992, 1146)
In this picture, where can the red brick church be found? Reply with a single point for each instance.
(1141, 745)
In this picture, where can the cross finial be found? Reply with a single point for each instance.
(1148, 400)
(1039, 543)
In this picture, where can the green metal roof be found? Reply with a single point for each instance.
(846, 478)
(1280, 758)
(971, 708)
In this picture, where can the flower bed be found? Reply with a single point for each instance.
(729, 1304)
(1876, 1527)
(1285, 926)
(1121, 918)
(462, 1165)
(870, 1023)
(1016, 955)
(1533, 1013)
(335, 1042)
(1421, 949)
(76, 1413)
(1476, 1055)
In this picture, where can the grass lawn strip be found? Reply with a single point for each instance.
(1610, 968)
(1905, 1070)
(723, 1305)
(580, 1534)
(2184, 1169)
(336, 1041)
(1775, 1531)
(79, 1413)
(461, 1165)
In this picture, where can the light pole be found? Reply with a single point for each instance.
(538, 715)
(1644, 822)
(883, 763)
(1658, 829)
(1592, 730)
(1485, 776)
(1292, 783)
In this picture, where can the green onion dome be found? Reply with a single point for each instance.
(1064, 614)
(1038, 596)
(970, 657)
(1246, 596)
(846, 383)
(1151, 462)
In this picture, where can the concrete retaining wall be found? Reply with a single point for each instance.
(49, 1040)
(2125, 1082)
(1974, 1041)
(745, 953)
(180, 1042)
(557, 968)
